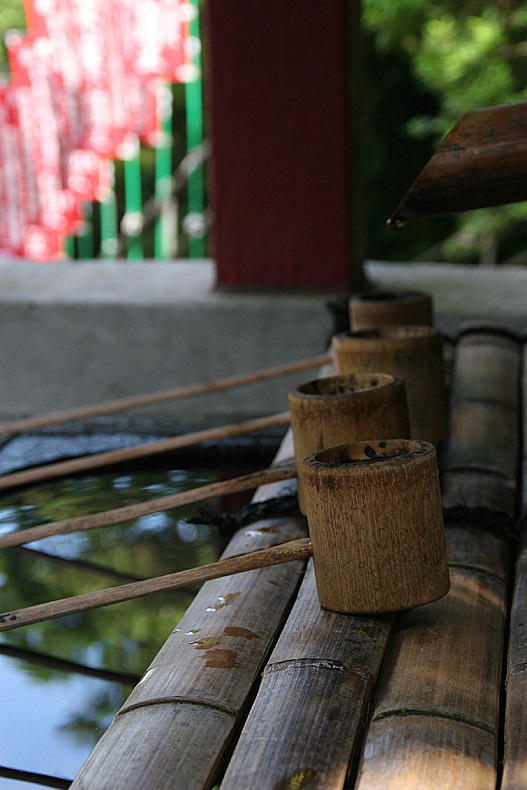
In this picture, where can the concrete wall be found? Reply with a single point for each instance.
(461, 292)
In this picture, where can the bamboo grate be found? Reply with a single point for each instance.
(260, 687)
(515, 736)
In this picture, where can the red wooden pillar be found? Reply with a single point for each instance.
(284, 211)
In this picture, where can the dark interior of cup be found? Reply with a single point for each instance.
(390, 296)
(345, 385)
(392, 332)
(367, 452)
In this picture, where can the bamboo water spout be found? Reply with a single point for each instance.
(402, 478)
(481, 162)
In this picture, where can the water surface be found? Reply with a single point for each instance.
(54, 712)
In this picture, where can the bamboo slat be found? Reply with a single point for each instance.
(174, 728)
(487, 368)
(481, 455)
(436, 717)
(303, 723)
(98, 460)
(484, 437)
(515, 737)
(515, 756)
(435, 724)
(474, 489)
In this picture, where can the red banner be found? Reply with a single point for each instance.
(38, 123)
(159, 32)
(11, 214)
(86, 80)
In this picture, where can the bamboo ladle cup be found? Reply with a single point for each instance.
(342, 409)
(390, 308)
(415, 354)
(382, 549)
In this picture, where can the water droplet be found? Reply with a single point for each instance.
(147, 674)
(233, 630)
(220, 659)
(223, 600)
(206, 643)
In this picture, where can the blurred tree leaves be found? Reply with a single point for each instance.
(12, 17)
(464, 55)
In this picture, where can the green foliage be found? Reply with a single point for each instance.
(12, 17)
(464, 55)
(123, 637)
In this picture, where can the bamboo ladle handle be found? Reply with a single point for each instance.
(286, 552)
(148, 399)
(117, 515)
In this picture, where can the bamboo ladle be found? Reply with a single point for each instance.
(106, 518)
(371, 506)
(111, 457)
(14, 427)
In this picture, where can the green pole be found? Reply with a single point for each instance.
(85, 237)
(108, 220)
(194, 107)
(132, 222)
(164, 228)
(70, 246)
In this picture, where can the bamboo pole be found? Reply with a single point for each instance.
(435, 723)
(98, 460)
(436, 719)
(321, 670)
(116, 515)
(178, 722)
(288, 552)
(481, 454)
(515, 734)
(149, 399)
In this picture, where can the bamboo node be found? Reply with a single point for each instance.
(202, 701)
(318, 663)
(426, 713)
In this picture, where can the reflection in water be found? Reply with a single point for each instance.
(56, 716)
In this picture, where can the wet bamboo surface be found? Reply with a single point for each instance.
(480, 460)
(305, 719)
(515, 746)
(174, 728)
(435, 723)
